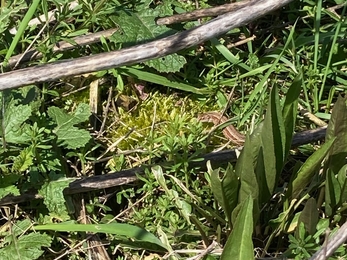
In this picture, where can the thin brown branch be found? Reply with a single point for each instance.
(61, 46)
(128, 176)
(207, 12)
(140, 53)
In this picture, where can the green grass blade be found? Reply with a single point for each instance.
(23, 25)
(160, 80)
(317, 20)
(259, 89)
(228, 55)
(332, 50)
(118, 229)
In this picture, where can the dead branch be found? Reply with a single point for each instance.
(200, 13)
(140, 53)
(99, 182)
(61, 46)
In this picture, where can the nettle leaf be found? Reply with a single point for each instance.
(169, 63)
(68, 135)
(11, 189)
(139, 27)
(27, 247)
(6, 185)
(14, 124)
(53, 197)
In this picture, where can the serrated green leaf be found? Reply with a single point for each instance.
(140, 26)
(11, 189)
(169, 63)
(27, 247)
(118, 229)
(239, 244)
(14, 122)
(23, 161)
(68, 135)
(53, 197)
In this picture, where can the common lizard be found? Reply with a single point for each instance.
(229, 132)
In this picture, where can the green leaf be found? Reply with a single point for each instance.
(23, 161)
(332, 193)
(245, 169)
(309, 216)
(67, 134)
(160, 80)
(130, 231)
(26, 247)
(239, 244)
(273, 144)
(289, 111)
(53, 197)
(169, 63)
(225, 190)
(337, 128)
(11, 189)
(341, 177)
(138, 27)
(306, 172)
(14, 125)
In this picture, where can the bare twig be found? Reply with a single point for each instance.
(207, 12)
(154, 49)
(334, 243)
(61, 46)
(128, 176)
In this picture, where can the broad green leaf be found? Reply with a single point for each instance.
(273, 143)
(138, 27)
(309, 216)
(332, 192)
(23, 161)
(304, 176)
(9, 190)
(239, 244)
(13, 124)
(342, 179)
(26, 247)
(337, 128)
(245, 169)
(7, 186)
(67, 134)
(225, 190)
(118, 229)
(53, 197)
(289, 111)
(169, 63)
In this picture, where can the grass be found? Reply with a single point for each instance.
(277, 200)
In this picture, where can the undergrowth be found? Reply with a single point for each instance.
(273, 201)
